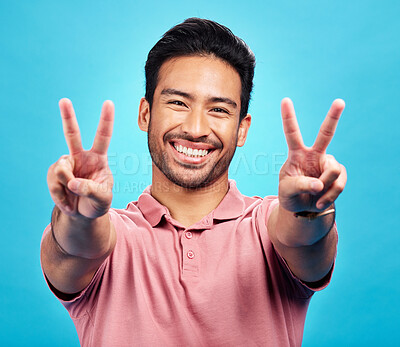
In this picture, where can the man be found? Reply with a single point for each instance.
(192, 262)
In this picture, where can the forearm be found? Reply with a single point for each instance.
(73, 250)
(80, 236)
(308, 246)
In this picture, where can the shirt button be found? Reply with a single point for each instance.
(190, 254)
(188, 235)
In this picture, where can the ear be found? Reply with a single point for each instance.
(144, 114)
(243, 129)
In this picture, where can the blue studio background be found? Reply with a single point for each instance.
(312, 51)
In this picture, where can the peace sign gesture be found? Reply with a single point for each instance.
(81, 183)
(310, 179)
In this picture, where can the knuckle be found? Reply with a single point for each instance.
(343, 170)
(333, 162)
(330, 157)
(70, 133)
(333, 168)
(53, 186)
(103, 132)
(326, 131)
(336, 171)
(62, 175)
(62, 159)
(339, 186)
(58, 169)
(57, 194)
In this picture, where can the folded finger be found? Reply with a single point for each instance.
(63, 171)
(330, 171)
(333, 192)
(59, 196)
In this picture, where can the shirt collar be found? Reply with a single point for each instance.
(231, 206)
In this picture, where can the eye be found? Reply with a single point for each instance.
(177, 102)
(219, 110)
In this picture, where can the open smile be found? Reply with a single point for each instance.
(191, 152)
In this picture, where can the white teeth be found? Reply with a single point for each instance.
(190, 152)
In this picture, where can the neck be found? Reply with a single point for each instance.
(188, 206)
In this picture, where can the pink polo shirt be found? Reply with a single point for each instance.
(217, 283)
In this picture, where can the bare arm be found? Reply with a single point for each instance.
(313, 260)
(310, 180)
(82, 235)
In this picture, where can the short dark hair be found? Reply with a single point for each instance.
(196, 36)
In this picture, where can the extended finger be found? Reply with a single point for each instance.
(330, 171)
(328, 126)
(105, 128)
(290, 125)
(334, 191)
(70, 127)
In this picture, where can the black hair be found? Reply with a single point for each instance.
(196, 36)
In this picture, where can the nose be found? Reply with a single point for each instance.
(196, 124)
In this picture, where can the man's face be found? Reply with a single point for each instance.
(194, 121)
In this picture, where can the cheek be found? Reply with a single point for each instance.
(166, 118)
(226, 132)
(159, 126)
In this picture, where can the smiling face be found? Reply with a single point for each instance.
(193, 128)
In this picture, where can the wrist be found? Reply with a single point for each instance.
(302, 231)
(80, 236)
(308, 215)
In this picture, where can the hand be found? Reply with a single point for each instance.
(81, 183)
(310, 179)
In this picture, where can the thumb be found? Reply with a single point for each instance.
(293, 186)
(89, 188)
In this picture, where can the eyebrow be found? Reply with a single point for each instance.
(225, 100)
(172, 91)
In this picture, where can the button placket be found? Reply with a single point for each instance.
(189, 253)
